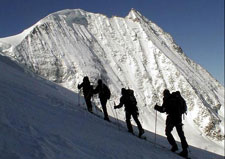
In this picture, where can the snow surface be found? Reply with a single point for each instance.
(40, 119)
(125, 52)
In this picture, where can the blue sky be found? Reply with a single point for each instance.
(196, 25)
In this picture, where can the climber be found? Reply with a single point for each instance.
(129, 101)
(104, 95)
(171, 105)
(88, 92)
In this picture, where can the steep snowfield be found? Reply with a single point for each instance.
(125, 52)
(39, 119)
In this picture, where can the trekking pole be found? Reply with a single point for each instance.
(112, 110)
(115, 115)
(140, 118)
(117, 118)
(155, 125)
(79, 98)
(95, 105)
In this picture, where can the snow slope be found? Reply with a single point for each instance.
(125, 52)
(40, 119)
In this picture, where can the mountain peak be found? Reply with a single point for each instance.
(133, 14)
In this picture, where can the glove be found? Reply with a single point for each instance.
(78, 86)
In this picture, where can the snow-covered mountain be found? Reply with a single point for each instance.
(42, 120)
(126, 52)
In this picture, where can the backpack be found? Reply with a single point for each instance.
(106, 92)
(130, 97)
(131, 103)
(176, 104)
(183, 106)
(89, 91)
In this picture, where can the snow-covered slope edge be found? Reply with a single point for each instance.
(131, 52)
(39, 119)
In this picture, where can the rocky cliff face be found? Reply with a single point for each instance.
(125, 52)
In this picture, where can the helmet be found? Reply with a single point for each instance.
(123, 91)
(166, 92)
(99, 81)
(86, 79)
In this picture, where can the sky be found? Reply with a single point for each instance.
(196, 25)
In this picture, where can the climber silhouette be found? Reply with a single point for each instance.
(171, 104)
(87, 91)
(129, 101)
(104, 95)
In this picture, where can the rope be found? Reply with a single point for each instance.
(79, 93)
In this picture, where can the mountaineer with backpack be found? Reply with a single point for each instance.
(174, 105)
(129, 101)
(88, 92)
(104, 95)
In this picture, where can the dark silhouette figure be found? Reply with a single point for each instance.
(171, 104)
(130, 103)
(88, 92)
(104, 94)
